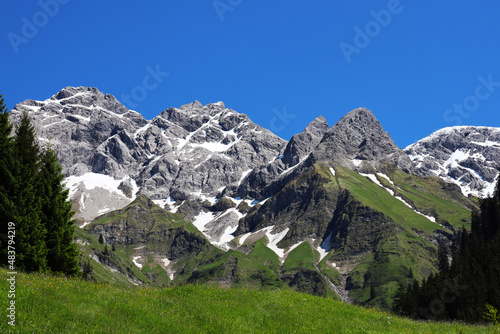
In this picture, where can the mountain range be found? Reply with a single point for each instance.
(201, 194)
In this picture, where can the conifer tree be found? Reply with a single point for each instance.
(443, 258)
(31, 251)
(62, 252)
(7, 184)
(472, 277)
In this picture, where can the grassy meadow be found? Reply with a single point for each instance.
(48, 304)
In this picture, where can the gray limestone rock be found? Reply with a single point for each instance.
(358, 141)
(300, 145)
(192, 149)
(468, 156)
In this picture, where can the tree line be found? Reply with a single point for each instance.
(33, 197)
(468, 288)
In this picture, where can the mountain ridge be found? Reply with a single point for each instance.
(348, 191)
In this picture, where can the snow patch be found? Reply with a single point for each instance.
(244, 237)
(86, 119)
(214, 147)
(161, 202)
(356, 162)
(376, 181)
(103, 211)
(93, 180)
(143, 129)
(332, 171)
(387, 178)
(243, 175)
(325, 247)
(134, 259)
(455, 158)
(274, 239)
(202, 220)
(85, 224)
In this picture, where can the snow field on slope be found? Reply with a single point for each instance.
(93, 180)
(273, 240)
(134, 259)
(324, 248)
(390, 191)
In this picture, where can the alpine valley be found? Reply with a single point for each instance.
(202, 195)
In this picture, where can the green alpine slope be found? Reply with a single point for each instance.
(48, 304)
(380, 228)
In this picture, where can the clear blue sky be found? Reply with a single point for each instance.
(413, 63)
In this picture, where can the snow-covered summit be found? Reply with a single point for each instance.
(466, 155)
(182, 151)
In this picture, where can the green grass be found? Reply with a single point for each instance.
(430, 195)
(300, 257)
(263, 254)
(47, 304)
(377, 198)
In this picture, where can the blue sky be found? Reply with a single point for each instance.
(418, 65)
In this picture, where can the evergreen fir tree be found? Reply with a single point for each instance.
(7, 184)
(473, 273)
(87, 269)
(443, 263)
(31, 251)
(62, 255)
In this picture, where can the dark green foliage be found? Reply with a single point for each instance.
(87, 269)
(33, 198)
(7, 184)
(443, 263)
(31, 251)
(57, 217)
(462, 290)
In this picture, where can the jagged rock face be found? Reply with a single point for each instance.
(466, 155)
(86, 128)
(266, 180)
(138, 224)
(300, 145)
(303, 206)
(208, 148)
(193, 149)
(358, 140)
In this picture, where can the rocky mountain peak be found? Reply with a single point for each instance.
(71, 91)
(89, 97)
(196, 105)
(319, 123)
(465, 155)
(115, 152)
(358, 141)
(301, 144)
